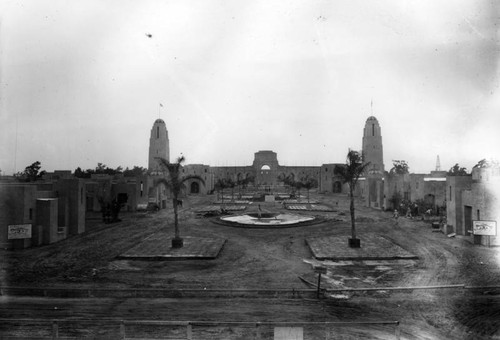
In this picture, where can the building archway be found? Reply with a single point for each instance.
(195, 188)
(337, 187)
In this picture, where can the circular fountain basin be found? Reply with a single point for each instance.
(267, 219)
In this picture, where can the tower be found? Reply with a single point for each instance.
(372, 146)
(158, 145)
(438, 164)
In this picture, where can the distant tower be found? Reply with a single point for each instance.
(372, 146)
(158, 145)
(438, 164)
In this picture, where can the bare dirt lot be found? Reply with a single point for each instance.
(269, 259)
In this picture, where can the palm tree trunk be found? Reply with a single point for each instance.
(353, 226)
(176, 219)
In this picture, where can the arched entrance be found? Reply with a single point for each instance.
(195, 188)
(430, 200)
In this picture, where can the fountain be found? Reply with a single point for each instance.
(267, 219)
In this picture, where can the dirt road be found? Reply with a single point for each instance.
(266, 259)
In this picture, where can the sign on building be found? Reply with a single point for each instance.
(19, 231)
(488, 228)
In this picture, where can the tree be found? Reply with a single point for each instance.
(31, 173)
(135, 171)
(484, 163)
(308, 183)
(242, 183)
(288, 181)
(456, 170)
(223, 183)
(101, 169)
(350, 173)
(79, 173)
(399, 167)
(175, 182)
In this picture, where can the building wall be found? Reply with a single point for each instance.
(16, 207)
(329, 182)
(454, 205)
(483, 198)
(203, 171)
(394, 184)
(25, 203)
(74, 190)
(47, 219)
(437, 190)
(414, 187)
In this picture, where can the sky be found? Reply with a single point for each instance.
(82, 81)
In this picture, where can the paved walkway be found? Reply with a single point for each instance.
(314, 207)
(158, 247)
(373, 247)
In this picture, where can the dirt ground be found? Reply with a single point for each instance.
(270, 259)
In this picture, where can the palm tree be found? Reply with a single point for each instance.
(308, 183)
(350, 174)
(175, 182)
(220, 185)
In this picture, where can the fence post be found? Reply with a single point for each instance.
(398, 331)
(189, 331)
(55, 330)
(122, 329)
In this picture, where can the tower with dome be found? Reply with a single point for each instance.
(159, 146)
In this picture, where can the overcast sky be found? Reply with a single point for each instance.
(81, 81)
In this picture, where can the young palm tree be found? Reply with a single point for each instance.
(220, 185)
(350, 174)
(308, 183)
(175, 182)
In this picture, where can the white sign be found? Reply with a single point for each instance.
(19, 231)
(288, 333)
(488, 228)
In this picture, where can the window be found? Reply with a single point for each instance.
(157, 132)
(373, 129)
(81, 195)
(31, 213)
(450, 193)
(142, 187)
(478, 215)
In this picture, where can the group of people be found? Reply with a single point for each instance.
(411, 210)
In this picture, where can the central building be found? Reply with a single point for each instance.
(265, 170)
